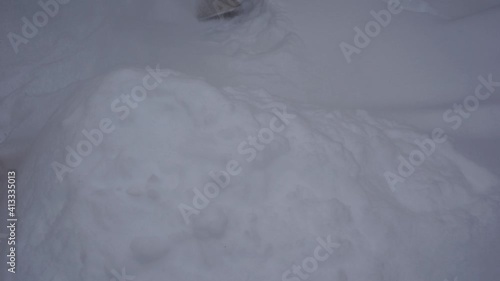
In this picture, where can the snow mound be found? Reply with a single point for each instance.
(313, 174)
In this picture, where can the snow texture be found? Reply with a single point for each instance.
(119, 117)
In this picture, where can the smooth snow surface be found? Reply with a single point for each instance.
(275, 72)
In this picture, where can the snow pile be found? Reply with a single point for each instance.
(302, 176)
(140, 152)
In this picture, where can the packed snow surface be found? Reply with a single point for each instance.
(154, 147)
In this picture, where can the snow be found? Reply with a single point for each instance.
(320, 176)
(150, 146)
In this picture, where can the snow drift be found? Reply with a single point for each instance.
(320, 177)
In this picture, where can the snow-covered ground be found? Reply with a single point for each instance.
(298, 140)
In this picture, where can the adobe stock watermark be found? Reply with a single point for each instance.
(455, 117)
(249, 148)
(371, 30)
(310, 264)
(121, 106)
(29, 28)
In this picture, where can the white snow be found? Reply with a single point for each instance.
(130, 170)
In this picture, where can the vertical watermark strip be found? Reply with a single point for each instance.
(11, 221)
